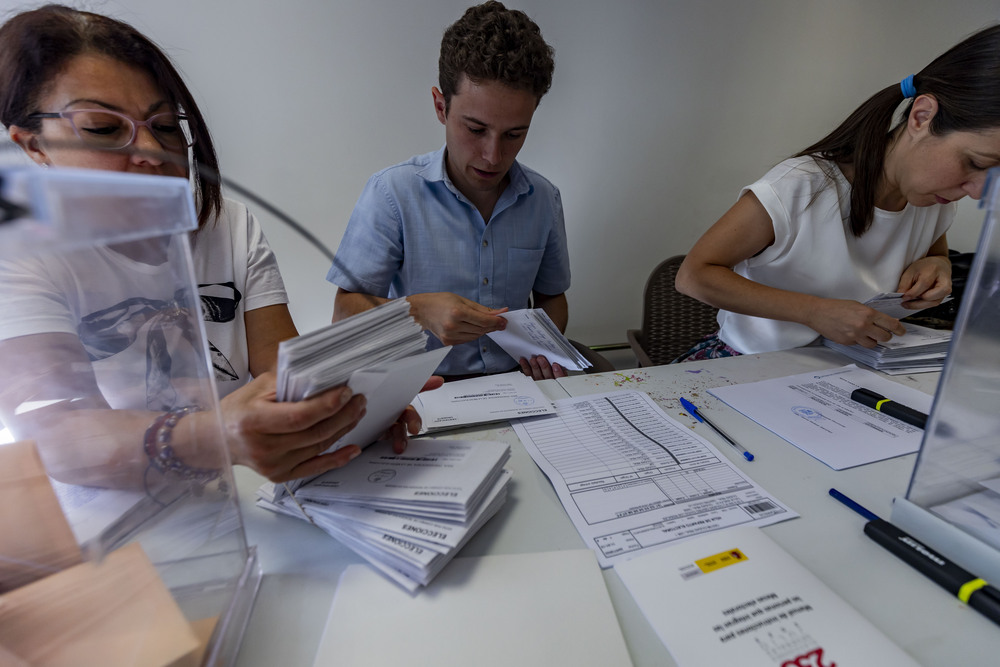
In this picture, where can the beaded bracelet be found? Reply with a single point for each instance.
(156, 443)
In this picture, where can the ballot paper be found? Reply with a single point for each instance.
(735, 597)
(632, 478)
(528, 610)
(445, 478)
(920, 349)
(480, 401)
(378, 353)
(530, 332)
(411, 556)
(406, 514)
(327, 357)
(388, 389)
(891, 303)
(814, 412)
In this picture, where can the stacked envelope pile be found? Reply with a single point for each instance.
(406, 514)
(921, 349)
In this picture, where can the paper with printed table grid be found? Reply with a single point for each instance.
(634, 479)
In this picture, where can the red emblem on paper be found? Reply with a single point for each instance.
(813, 658)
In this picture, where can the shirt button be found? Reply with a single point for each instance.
(486, 281)
(484, 348)
(485, 243)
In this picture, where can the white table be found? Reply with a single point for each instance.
(302, 564)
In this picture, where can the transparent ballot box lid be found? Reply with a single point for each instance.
(953, 501)
(121, 541)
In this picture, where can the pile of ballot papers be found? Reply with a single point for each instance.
(406, 514)
(326, 357)
(531, 331)
(378, 353)
(921, 349)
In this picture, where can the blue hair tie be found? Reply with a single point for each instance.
(907, 87)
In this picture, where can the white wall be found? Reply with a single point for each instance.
(659, 112)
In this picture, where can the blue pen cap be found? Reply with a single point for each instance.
(692, 410)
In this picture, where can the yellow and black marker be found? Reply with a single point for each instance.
(889, 407)
(958, 581)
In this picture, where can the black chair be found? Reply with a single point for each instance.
(671, 322)
(600, 363)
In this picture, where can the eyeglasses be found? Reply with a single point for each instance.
(111, 130)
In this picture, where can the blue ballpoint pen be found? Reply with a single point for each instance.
(693, 411)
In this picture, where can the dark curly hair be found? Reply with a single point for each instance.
(36, 45)
(493, 43)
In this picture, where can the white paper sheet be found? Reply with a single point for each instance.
(814, 412)
(388, 388)
(530, 332)
(529, 610)
(891, 303)
(920, 349)
(449, 476)
(734, 597)
(632, 478)
(481, 401)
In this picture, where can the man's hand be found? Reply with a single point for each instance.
(454, 319)
(409, 422)
(539, 368)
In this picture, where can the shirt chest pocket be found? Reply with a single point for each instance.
(522, 269)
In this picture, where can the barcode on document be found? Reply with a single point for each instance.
(760, 508)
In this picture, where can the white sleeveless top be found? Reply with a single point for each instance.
(815, 252)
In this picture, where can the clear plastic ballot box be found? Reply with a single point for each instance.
(121, 540)
(953, 501)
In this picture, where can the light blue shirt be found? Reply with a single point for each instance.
(412, 232)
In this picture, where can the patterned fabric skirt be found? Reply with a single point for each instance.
(709, 347)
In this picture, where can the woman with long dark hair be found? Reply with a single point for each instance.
(862, 211)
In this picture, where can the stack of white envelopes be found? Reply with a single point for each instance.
(379, 353)
(531, 331)
(406, 514)
(326, 357)
(921, 349)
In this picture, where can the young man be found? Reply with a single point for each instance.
(466, 233)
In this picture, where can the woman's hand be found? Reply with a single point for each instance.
(284, 441)
(851, 323)
(926, 282)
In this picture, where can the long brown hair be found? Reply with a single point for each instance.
(965, 81)
(36, 45)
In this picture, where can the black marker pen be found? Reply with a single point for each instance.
(889, 407)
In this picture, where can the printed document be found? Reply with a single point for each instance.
(480, 401)
(814, 412)
(633, 479)
(735, 597)
(444, 477)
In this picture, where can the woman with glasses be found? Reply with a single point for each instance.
(79, 89)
